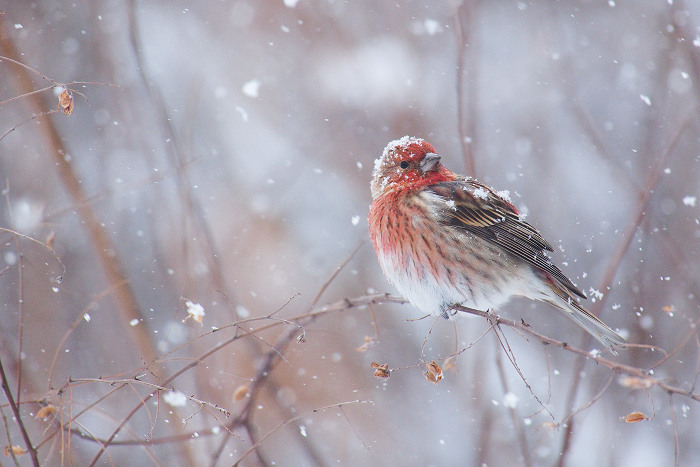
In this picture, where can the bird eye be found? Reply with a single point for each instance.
(404, 164)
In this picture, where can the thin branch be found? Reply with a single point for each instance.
(643, 198)
(18, 417)
(605, 387)
(28, 119)
(38, 242)
(325, 286)
(157, 387)
(511, 357)
(6, 425)
(640, 373)
(523, 329)
(293, 419)
(515, 418)
(81, 317)
(128, 305)
(674, 422)
(272, 356)
(20, 295)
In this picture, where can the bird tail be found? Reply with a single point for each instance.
(584, 318)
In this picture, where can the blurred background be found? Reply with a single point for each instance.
(220, 153)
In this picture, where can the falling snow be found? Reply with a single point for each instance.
(10, 258)
(175, 398)
(510, 400)
(242, 311)
(237, 194)
(242, 112)
(251, 88)
(432, 27)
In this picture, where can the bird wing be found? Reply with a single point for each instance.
(479, 210)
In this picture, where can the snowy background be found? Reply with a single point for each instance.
(227, 156)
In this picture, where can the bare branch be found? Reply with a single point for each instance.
(293, 419)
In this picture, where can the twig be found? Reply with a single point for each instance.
(600, 393)
(643, 198)
(515, 419)
(128, 305)
(261, 376)
(18, 417)
(293, 419)
(28, 119)
(427, 335)
(348, 304)
(676, 446)
(38, 242)
(311, 449)
(505, 345)
(20, 295)
(325, 286)
(6, 425)
(81, 317)
(155, 386)
(271, 357)
(619, 367)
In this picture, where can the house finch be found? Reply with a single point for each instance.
(443, 239)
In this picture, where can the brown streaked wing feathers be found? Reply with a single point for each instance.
(497, 221)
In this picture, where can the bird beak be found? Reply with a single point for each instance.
(430, 162)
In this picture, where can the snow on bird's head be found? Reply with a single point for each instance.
(406, 148)
(389, 172)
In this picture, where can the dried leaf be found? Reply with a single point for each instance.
(240, 392)
(433, 373)
(17, 450)
(634, 382)
(65, 102)
(380, 371)
(635, 417)
(45, 411)
(369, 341)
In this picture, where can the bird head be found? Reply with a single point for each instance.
(407, 163)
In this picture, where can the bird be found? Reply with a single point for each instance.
(444, 239)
